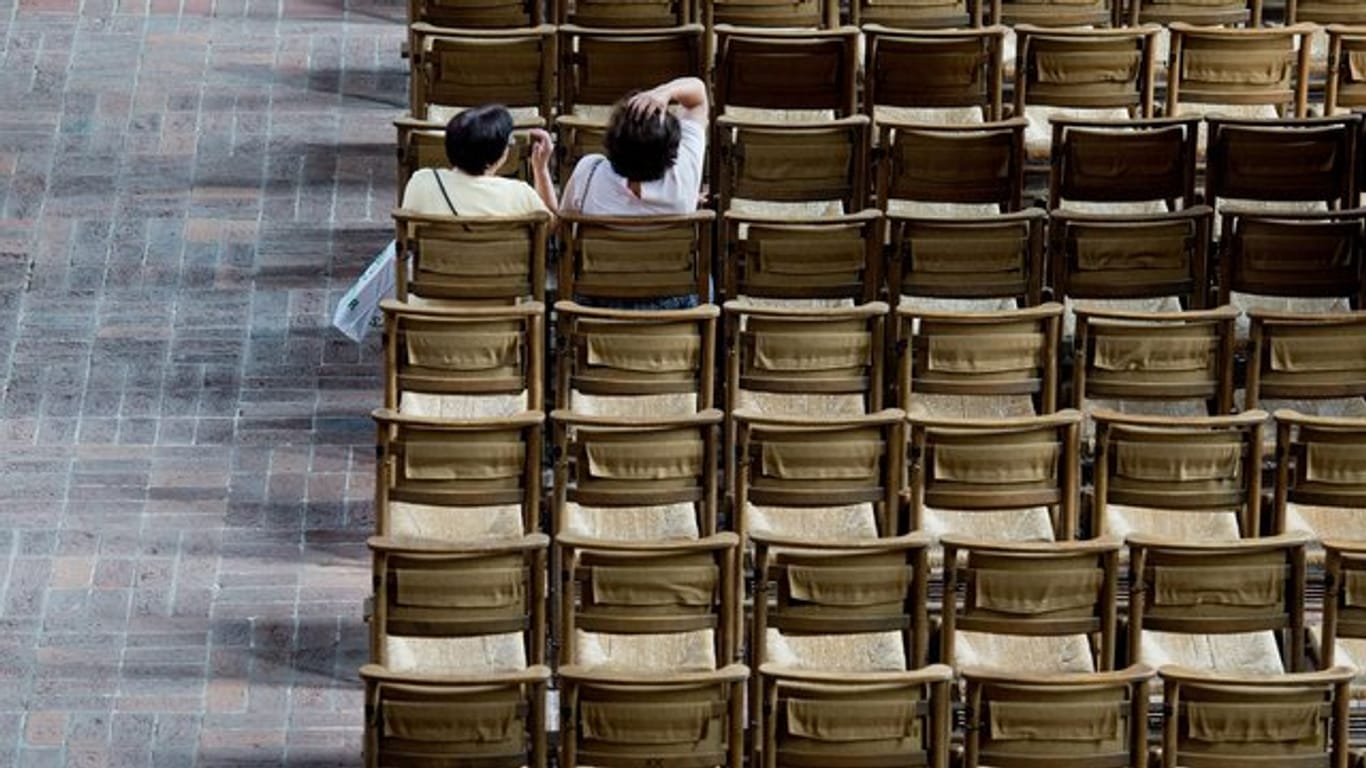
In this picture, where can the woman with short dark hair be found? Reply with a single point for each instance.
(477, 144)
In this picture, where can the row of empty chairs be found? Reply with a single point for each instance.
(925, 14)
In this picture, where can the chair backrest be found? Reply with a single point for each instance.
(627, 463)
(1306, 356)
(1311, 160)
(1325, 12)
(1131, 255)
(1240, 66)
(648, 590)
(916, 14)
(578, 136)
(1296, 254)
(1052, 13)
(469, 352)
(1206, 12)
(1123, 162)
(1155, 356)
(659, 718)
(1033, 589)
(793, 162)
(929, 69)
(454, 466)
(806, 350)
(471, 259)
(1195, 464)
(1320, 462)
(1346, 62)
(605, 352)
(627, 14)
(469, 67)
(600, 66)
(832, 717)
(986, 354)
(979, 164)
(646, 257)
(1085, 68)
(819, 463)
(996, 464)
(841, 587)
(784, 69)
(1018, 720)
(1344, 599)
(769, 14)
(443, 593)
(486, 719)
(1225, 721)
(830, 257)
(1202, 588)
(485, 14)
(968, 258)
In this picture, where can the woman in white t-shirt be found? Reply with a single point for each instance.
(477, 144)
(653, 163)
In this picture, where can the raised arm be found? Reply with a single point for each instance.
(543, 146)
(689, 93)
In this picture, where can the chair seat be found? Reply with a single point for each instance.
(427, 522)
(1121, 520)
(1349, 651)
(929, 116)
(1174, 408)
(1023, 654)
(853, 521)
(1039, 134)
(1252, 653)
(761, 115)
(969, 407)
(1154, 304)
(675, 652)
(633, 406)
(1246, 301)
(810, 210)
(864, 652)
(456, 655)
(1336, 523)
(814, 405)
(1032, 524)
(666, 522)
(434, 406)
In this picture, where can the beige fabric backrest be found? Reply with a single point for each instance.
(1160, 356)
(1131, 256)
(1302, 255)
(928, 68)
(468, 67)
(1297, 720)
(1032, 589)
(1239, 65)
(1123, 161)
(983, 354)
(471, 259)
(820, 462)
(647, 257)
(829, 257)
(492, 720)
(1070, 721)
(458, 464)
(982, 464)
(489, 589)
(1250, 585)
(1180, 464)
(1306, 356)
(463, 351)
(640, 352)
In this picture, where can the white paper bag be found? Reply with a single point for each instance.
(357, 311)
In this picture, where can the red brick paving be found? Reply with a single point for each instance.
(186, 186)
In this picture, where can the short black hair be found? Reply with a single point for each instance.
(477, 137)
(641, 148)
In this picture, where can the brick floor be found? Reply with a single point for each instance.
(186, 186)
